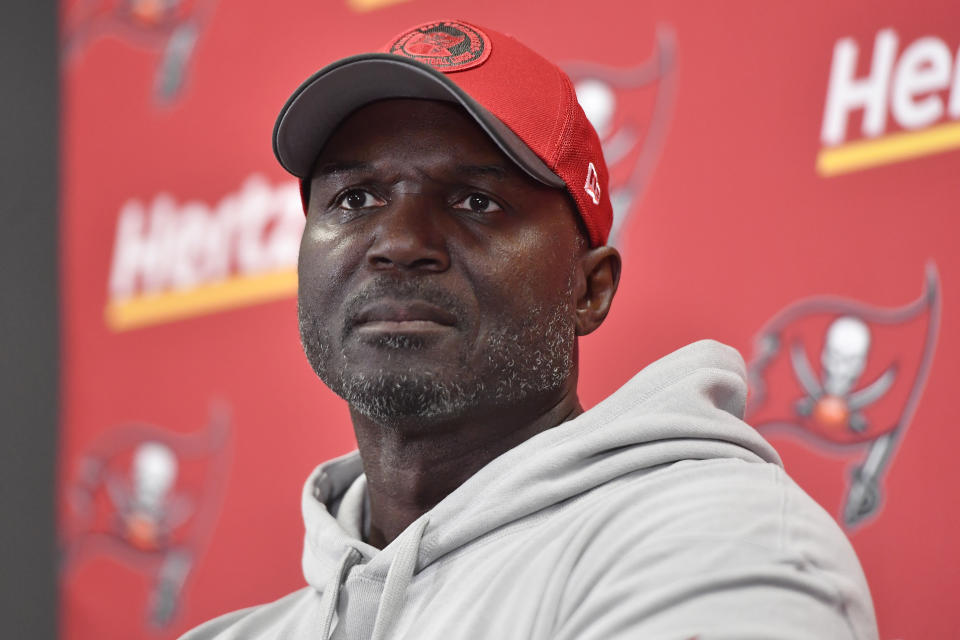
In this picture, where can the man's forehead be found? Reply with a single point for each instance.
(335, 169)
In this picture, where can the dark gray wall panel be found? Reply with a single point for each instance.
(28, 317)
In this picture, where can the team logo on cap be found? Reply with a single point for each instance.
(446, 46)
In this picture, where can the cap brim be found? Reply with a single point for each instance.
(321, 103)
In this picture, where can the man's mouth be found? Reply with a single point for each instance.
(403, 316)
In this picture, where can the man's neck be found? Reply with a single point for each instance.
(411, 469)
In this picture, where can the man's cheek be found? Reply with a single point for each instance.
(318, 233)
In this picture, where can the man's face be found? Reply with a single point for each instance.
(436, 278)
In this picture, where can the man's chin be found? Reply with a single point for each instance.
(391, 396)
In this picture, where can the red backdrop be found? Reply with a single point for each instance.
(776, 168)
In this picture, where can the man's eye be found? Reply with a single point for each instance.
(358, 199)
(478, 203)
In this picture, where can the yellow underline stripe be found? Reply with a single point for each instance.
(362, 6)
(895, 147)
(240, 291)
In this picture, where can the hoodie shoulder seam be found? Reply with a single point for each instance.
(840, 600)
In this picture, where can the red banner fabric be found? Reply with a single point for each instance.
(782, 179)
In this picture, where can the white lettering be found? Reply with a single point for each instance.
(923, 67)
(954, 107)
(845, 94)
(161, 246)
(141, 242)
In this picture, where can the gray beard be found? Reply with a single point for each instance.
(525, 356)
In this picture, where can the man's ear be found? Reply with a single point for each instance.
(600, 269)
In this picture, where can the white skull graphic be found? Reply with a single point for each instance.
(154, 472)
(844, 354)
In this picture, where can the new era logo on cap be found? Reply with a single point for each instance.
(592, 185)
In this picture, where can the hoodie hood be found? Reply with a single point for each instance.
(686, 406)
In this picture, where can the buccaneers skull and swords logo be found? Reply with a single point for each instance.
(169, 28)
(148, 497)
(846, 377)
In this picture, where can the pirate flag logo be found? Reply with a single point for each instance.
(168, 27)
(630, 108)
(846, 377)
(148, 498)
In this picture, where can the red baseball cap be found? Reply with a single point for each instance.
(525, 103)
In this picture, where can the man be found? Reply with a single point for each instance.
(457, 211)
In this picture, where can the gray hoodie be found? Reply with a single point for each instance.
(656, 514)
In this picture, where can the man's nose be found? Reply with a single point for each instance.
(408, 236)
